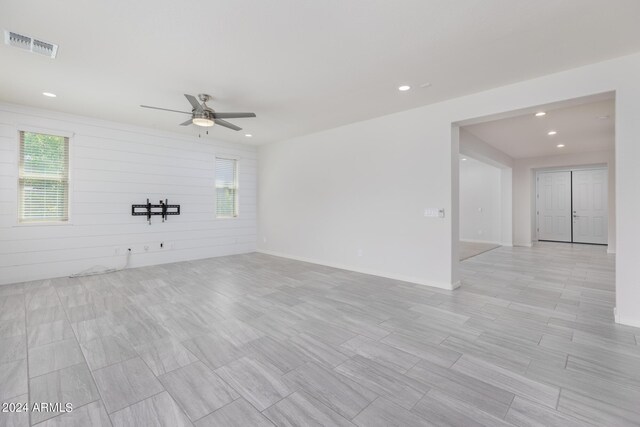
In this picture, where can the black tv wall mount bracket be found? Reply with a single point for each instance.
(164, 209)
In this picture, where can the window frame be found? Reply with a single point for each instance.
(54, 132)
(236, 179)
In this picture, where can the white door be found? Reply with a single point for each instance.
(590, 206)
(554, 206)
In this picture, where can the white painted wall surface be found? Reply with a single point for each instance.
(473, 146)
(112, 167)
(327, 196)
(506, 206)
(365, 185)
(524, 191)
(480, 202)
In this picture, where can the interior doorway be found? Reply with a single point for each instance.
(575, 136)
(572, 206)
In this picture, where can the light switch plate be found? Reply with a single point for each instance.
(434, 212)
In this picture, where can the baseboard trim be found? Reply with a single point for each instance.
(417, 281)
(625, 320)
(524, 245)
(489, 242)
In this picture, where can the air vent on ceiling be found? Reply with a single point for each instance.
(29, 43)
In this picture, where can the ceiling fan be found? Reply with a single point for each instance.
(205, 116)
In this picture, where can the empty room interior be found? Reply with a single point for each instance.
(336, 213)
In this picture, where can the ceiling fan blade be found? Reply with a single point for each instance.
(232, 115)
(187, 123)
(227, 124)
(165, 109)
(194, 102)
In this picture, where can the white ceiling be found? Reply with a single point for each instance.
(300, 65)
(582, 127)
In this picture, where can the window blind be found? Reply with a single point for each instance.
(226, 188)
(43, 178)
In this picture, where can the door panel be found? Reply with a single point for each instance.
(590, 206)
(554, 206)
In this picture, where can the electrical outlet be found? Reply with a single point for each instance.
(146, 248)
(264, 240)
(359, 252)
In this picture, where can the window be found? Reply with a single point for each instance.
(226, 188)
(43, 178)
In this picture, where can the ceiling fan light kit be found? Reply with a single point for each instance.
(204, 116)
(202, 121)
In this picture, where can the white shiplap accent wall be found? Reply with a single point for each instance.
(113, 166)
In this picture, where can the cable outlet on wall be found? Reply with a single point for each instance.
(149, 247)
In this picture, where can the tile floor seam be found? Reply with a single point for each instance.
(215, 410)
(95, 383)
(275, 403)
(26, 336)
(362, 410)
(138, 401)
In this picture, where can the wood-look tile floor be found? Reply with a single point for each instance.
(255, 340)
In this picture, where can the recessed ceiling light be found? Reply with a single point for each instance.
(603, 117)
(404, 88)
(464, 158)
(49, 94)
(560, 145)
(552, 132)
(540, 114)
(248, 135)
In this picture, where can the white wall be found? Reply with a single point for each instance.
(472, 146)
(365, 185)
(524, 190)
(506, 206)
(112, 167)
(325, 197)
(480, 202)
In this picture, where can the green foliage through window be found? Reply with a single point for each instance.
(44, 176)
